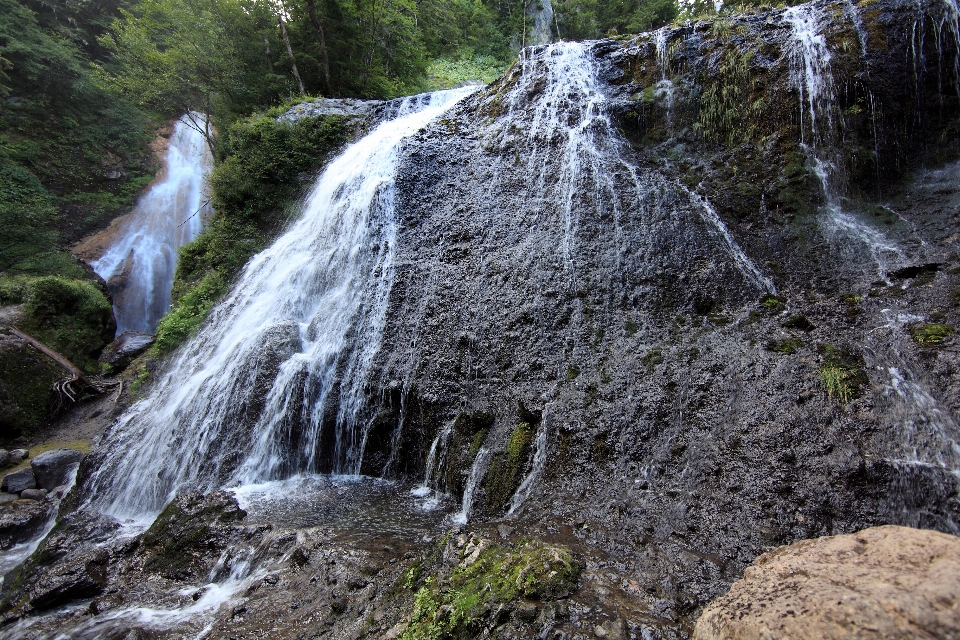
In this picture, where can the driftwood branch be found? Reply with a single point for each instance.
(64, 386)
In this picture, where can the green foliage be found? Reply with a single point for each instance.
(573, 371)
(459, 606)
(788, 345)
(443, 73)
(71, 316)
(190, 310)
(842, 373)
(60, 135)
(931, 334)
(255, 188)
(727, 112)
(504, 475)
(585, 19)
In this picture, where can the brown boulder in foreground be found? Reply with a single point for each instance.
(883, 582)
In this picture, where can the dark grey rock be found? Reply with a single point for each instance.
(7, 497)
(80, 576)
(53, 468)
(17, 481)
(329, 106)
(127, 346)
(33, 494)
(20, 520)
(18, 455)
(4, 457)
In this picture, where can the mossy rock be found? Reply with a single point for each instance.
(842, 373)
(931, 334)
(488, 580)
(186, 527)
(72, 317)
(506, 468)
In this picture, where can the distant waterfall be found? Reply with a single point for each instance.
(273, 384)
(139, 266)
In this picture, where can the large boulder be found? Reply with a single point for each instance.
(53, 468)
(128, 345)
(883, 582)
(19, 480)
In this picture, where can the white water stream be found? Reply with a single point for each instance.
(812, 75)
(276, 375)
(140, 264)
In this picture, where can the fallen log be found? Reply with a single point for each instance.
(64, 386)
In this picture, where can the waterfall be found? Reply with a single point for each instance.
(812, 75)
(139, 266)
(477, 472)
(574, 157)
(274, 383)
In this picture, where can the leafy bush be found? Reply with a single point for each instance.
(265, 166)
(71, 316)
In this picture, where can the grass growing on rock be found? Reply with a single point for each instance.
(842, 373)
(485, 583)
(931, 334)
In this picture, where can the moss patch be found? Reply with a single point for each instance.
(71, 316)
(503, 478)
(461, 605)
(931, 334)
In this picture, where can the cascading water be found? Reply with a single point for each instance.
(812, 75)
(575, 156)
(139, 266)
(273, 384)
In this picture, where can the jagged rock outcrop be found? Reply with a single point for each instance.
(883, 582)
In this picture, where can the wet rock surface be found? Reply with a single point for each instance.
(21, 519)
(883, 582)
(17, 481)
(127, 346)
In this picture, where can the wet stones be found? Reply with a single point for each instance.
(128, 345)
(177, 544)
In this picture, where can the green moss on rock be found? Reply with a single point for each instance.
(931, 334)
(488, 581)
(506, 467)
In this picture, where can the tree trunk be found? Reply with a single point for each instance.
(63, 386)
(266, 51)
(312, 12)
(293, 61)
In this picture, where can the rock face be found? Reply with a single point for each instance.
(883, 582)
(128, 345)
(329, 106)
(682, 411)
(53, 468)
